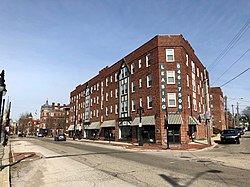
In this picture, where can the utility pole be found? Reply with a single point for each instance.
(233, 116)
(140, 140)
(226, 112)
(237, 117)
(207, 108)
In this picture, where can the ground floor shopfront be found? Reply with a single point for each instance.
(180, 130)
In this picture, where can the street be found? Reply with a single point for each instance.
(44, 162)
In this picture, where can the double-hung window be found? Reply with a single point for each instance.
(171, 99)
(170, 77)
(149, 81)
(169, 55)
(148, 60)
(132, 68)
(149, 100)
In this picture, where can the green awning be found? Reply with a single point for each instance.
(146, 120)
(192, 121)
(174, 119)
(109, 123)
(94, 125)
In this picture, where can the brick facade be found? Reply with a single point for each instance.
(217, 108)
(188, 83)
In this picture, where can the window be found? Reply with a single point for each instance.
(107, 81)
(111, 93)
(149, 99)
(189, 105)
(133, 86)
(97, 100)
(186, 59)
(198, 72)
(97, 113)
(106, 111)
(140, 83)
(149, 81)
(200, 106)
(148, 60)
(195, 104)
(133, 105)
(116, 77)
(107, 96)
(116, 93)
(139, 63)
(111, 109)
(171, 99)
(193, 67)
(170, 77)
(111, 78)
(132, 68)
(116, 109)
(187, 81)
(169, 55)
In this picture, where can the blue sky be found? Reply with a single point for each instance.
(49, 47)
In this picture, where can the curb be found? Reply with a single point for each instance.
(5, 173)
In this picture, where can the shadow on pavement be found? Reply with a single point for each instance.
(174, 182)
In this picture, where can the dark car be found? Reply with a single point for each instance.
(40, 135)
(60, 137)
(240, 130)
(230, 135)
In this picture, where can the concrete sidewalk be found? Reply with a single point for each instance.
(196, 145)
(4, 165)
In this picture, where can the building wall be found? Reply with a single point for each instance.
(217, 108)
(156, 47)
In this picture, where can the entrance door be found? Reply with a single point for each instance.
(174, 134)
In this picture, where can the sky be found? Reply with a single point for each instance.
(47, 47)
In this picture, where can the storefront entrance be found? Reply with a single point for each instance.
(174, 134)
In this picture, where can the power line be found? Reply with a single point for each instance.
(230, 66)
(230, 45)
(235, 77)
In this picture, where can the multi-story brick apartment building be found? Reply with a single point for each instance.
(164, 73)
(54, 118)
(217, 108)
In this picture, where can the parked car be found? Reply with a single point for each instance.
(230, 135)
(240, 130)
(60, 137)
(40, 135)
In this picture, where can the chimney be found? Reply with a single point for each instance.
(53, 106)
(58, 105)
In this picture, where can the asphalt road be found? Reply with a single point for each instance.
(116, 166)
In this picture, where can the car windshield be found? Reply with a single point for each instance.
(229, 132)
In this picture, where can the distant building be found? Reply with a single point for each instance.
(164, 73)
(217, 108)
(54, 118)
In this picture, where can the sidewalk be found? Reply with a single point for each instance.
(196, 145)
(4, 165)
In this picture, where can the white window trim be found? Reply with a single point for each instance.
(139, 64)
(149, 107)
(148, 86)
(174, 97)
(169, 52)
(147, 60)
(173, 73)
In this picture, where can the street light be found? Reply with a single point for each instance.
(2, 93)
(140, 140)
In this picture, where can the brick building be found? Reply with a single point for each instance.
(217, 108)
(54, 119)
(164, 73)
